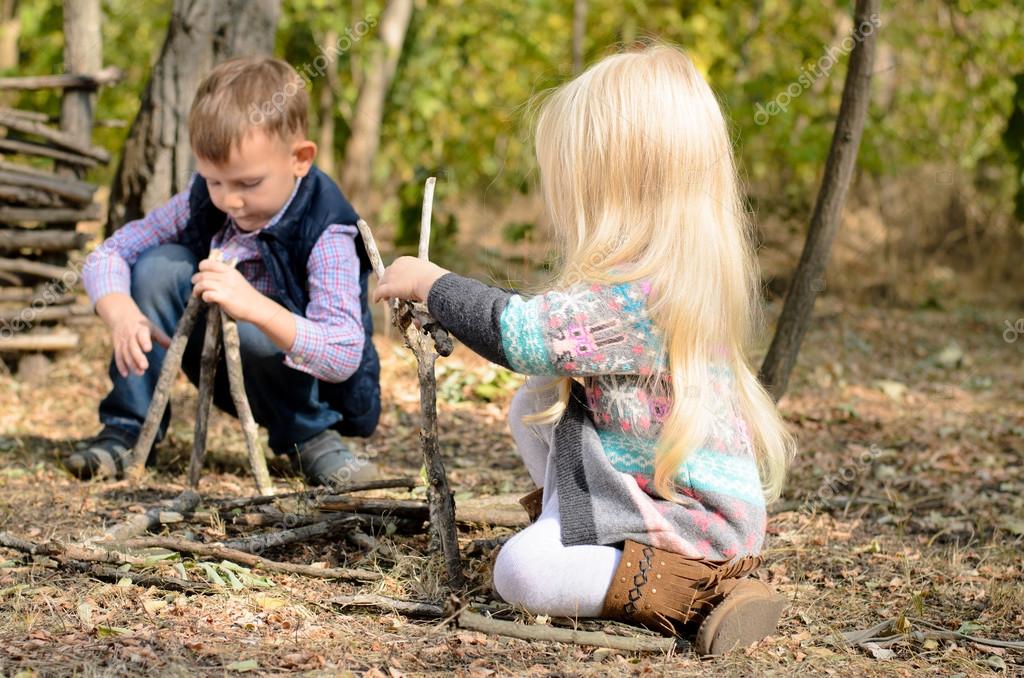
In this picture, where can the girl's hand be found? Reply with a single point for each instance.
(218, 283)
(408, 278)
(133, 336)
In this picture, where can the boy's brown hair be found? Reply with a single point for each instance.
(241, 94)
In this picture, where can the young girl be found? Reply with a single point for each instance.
(653, 444)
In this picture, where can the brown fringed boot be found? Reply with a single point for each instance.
(675, 594)
(533, 503)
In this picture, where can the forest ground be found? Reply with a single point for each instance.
(912, 418)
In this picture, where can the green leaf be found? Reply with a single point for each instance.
(243, 666)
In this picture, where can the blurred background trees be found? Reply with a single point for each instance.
(931, 215)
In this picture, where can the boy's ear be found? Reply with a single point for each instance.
(303, 155)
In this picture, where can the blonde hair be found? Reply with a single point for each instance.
(242, 94)
(637, 171)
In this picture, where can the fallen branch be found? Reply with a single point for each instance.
(410, 608)
(261, 542)
(145, 580)
(340, 488)
(251, 560)
(478, 622)
(144, 522)
(62, 341)
(888, 632)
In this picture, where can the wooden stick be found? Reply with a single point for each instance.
(236, 380)
(60, 551)
(428, 207)
(251, 560)
(231, 504)
(207, 374)
(162, 392)
(56, 137)
(69, 190)
(44, 151)
(63, 341)
(144, 522)
(49, 214)
(32, 197)
(144, 580)
(33, 268)
(440, 501)
(418, 510)
(32, 315)
(409, 608)
(106, 76)
(261, 542)
(478, 622)
(51, 240)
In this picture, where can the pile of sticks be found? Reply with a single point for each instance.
(42, 199)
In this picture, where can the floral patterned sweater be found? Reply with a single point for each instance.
(603, 336)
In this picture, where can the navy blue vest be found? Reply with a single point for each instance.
(285, 248)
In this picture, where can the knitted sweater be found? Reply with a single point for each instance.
(603, 335)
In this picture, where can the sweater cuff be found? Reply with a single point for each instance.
(471, 312)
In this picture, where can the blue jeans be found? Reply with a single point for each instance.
(284, 401)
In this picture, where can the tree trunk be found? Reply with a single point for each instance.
(10, 31)
(157, 159)
(83, 53)
(369, 110)
(842, 157)
(579, 34)
(331, 84)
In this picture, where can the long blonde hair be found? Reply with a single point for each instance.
(639, 182)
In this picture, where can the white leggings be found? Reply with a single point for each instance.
(533, 568)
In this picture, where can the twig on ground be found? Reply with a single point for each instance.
(409, 608)
(251, 560)
(341, 488)
(144, 522)
(478, 622)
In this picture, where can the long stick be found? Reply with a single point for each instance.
(478, 622)
(236, 379)
(231, 504)
(168, 372)
(144, 522)
(253, 561)
(207, 375)
(428, 208)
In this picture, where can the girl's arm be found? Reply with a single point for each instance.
(586, 330)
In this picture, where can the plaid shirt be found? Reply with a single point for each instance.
(328, 340)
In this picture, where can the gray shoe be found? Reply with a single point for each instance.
(104, 456)
(326, 460)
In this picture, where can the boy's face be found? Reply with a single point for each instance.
(258, 177)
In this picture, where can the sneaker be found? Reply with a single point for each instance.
(325, 459)
(106, 455)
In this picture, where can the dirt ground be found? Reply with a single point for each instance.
(906, 503)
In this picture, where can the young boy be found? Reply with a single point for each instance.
(299, 291)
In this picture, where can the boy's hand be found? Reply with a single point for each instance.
(221, 284)
(133, 337)
(408, 278)
(131, 332)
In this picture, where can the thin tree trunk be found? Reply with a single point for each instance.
(157, 159)
(83, 53)
(331, 84)
(10, 31)
(842, 157)
(364, 140)
(579, 34)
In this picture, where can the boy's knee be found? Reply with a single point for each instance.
(162, 272)
(257, 349)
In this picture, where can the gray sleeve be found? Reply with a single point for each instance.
(471, 312)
